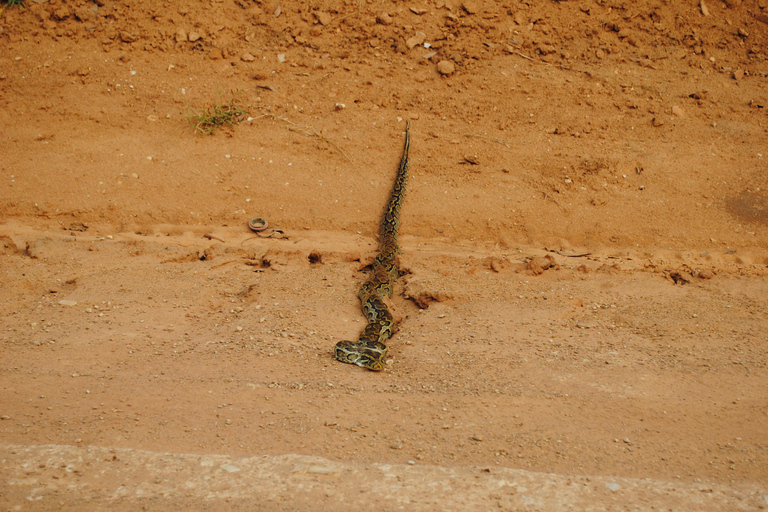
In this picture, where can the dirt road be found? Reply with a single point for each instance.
(584, 243)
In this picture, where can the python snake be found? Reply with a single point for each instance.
(369, 350)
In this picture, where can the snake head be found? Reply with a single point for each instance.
(375, 365)
(372, 356)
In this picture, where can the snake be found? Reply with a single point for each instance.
(369, 351)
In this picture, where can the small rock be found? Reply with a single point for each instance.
(613, 486)
(83, 71)
(446, 67)
(738, 74)
(66, 302)
(229, 468)
(215, 54)
(539, 265)
(477, 438)
(657, 122)
(339, 106)
(247, 57)
(680, 277)
(181, 36)
(384, 19)
(678, 111)
(60, 14)
(7, 244)
(323, 18)
(416, 40)
(5, 417)
(127, 37)
(703, 8)
(470, 6)
(194, 36)
(472, 159)
(78, 226)
(699, 95)
(497, 265)
(706, 274)
(281, 57)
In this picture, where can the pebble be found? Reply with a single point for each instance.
(613, 486)
(471, 6)
(706, 274)
(181, 35)
(678, 111)
(66, 302)
(324, 18)
(657, 122)
(247, 57)
(384, 19)
(230, 468)
(446, 67)
(194, 36)
(416, 40)
(477, 438)
(281, 57)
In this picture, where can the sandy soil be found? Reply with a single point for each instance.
(624, 141)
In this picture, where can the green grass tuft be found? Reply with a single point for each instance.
(207, 120)
(17, 3)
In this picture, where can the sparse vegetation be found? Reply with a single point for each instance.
(207, 120)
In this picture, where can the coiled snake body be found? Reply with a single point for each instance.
(369, 350)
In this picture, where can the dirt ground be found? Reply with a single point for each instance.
(622, 143)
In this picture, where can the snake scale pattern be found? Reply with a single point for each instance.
(369, 351)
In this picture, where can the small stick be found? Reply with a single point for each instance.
(305, 132)
(525, 56)
(211, 236)
(549, 64)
